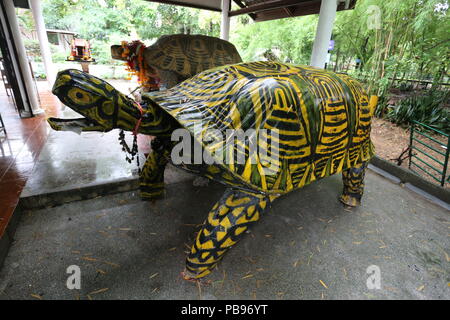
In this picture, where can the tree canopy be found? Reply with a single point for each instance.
(378, 41)
(410, 37)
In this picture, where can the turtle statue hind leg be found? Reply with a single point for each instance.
(227, 222)
(151, 179)
(353, 179)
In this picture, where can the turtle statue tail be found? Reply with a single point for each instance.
(227, 222)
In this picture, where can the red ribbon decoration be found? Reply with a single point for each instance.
(138, 123)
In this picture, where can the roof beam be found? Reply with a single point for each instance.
(262, 10)
(289, 11)
(269, 6)
(240, 4)
(21, 4)
(189, 5)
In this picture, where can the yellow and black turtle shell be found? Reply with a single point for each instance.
(322, 120)
(188, 55)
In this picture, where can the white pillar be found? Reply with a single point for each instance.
(323, 33)
(225, 23)
(22, 59)
(43, 40)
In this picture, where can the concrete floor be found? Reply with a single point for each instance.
(20, 150)
(69, 160)
(307, 246)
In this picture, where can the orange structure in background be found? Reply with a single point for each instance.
(80, 50)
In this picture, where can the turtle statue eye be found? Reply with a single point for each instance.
(79, 96)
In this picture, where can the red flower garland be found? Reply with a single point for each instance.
(133, 52)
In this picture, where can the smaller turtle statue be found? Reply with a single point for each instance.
(310, 124)
(174, 58)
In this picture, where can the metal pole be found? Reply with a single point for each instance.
(43, 40)
(447, 154)
(411, 135)
(225, 24)
(33, 106)
(327, 15)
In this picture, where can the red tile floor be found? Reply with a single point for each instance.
(20, 148)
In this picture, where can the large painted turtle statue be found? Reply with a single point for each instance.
(309, 124)
(174, 58)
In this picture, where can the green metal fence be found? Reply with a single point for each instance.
(435, 148)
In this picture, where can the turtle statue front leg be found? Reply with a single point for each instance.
(353, 179)
(151, 179)
(227, 222)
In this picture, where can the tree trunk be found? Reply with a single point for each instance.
(337, 59)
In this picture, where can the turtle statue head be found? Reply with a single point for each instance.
(103, 107)
(96, 100)
(117, 52)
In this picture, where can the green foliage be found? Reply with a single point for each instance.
(59, 57)
(293, 38)
(91, 19)
(33, 49)
(108, 22)
(39, 71)
(428, 109)
(412, 41)
(25, 18)
(99, 19)
(405, 86)
(153, 21)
